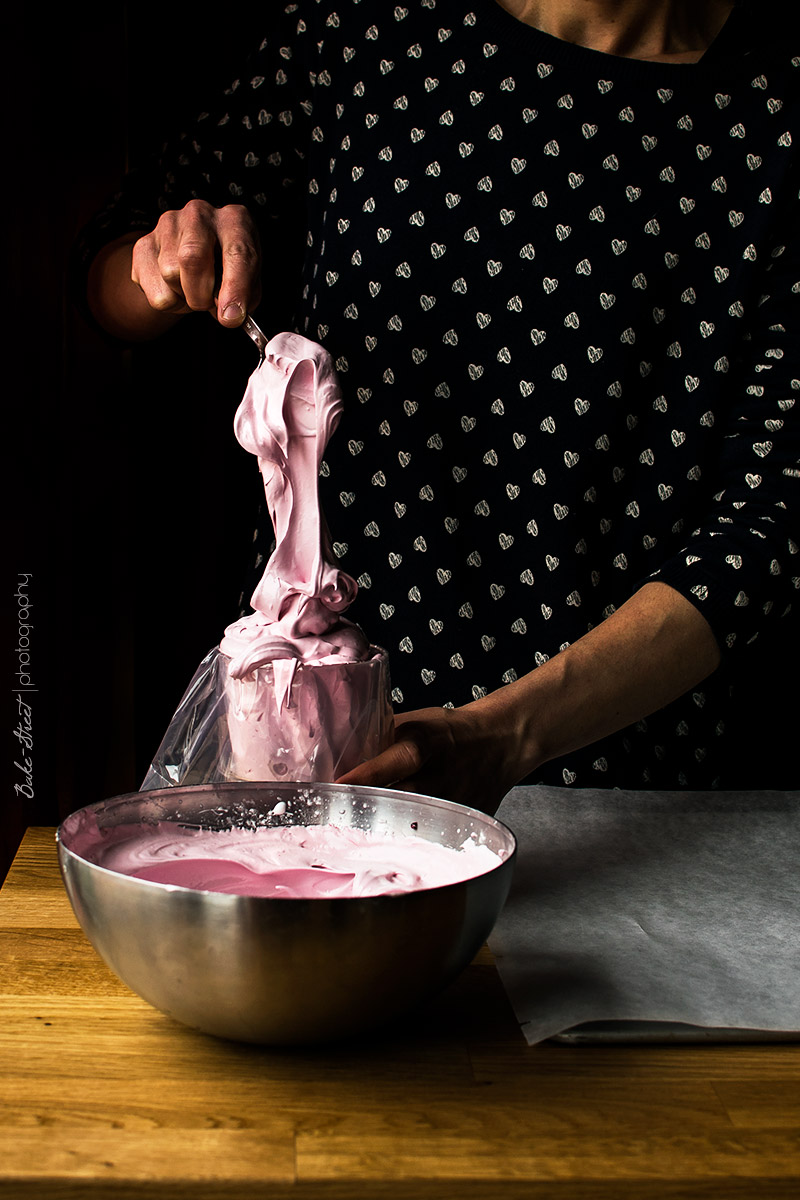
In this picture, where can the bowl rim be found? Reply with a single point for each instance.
(359, 790)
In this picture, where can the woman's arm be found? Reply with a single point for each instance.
(170, 241)
(650, 651)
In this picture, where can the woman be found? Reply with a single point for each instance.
(550, 245)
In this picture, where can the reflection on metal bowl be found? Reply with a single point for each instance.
(283, 971)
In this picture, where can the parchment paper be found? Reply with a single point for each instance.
(652, 906)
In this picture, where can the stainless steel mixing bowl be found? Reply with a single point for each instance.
(282, 971)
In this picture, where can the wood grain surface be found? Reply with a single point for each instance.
(103, 1096)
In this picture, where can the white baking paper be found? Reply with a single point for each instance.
(652, 907)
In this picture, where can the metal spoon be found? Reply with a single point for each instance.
(257, 334)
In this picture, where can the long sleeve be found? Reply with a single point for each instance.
(740, 566)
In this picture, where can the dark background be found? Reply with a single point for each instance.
(127, 497)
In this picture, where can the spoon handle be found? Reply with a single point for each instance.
(257, 334)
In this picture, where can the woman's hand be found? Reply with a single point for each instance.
(471, 755)
(178, 263)
(197, 259)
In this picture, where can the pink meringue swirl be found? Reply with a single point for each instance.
(291, 407)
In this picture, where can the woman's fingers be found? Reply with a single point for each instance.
(464, 754)
(397, 763)
(240, 255)
(201, 259)
(154, 266)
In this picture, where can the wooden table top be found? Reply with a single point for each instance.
(101, 1095)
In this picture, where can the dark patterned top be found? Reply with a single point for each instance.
(562, 289)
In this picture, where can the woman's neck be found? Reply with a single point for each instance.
(674, 31)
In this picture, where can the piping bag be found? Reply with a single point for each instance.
(295, 690)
